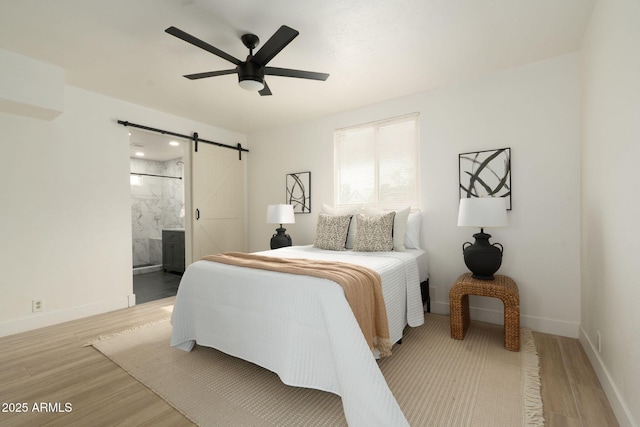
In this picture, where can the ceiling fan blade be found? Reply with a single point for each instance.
(274, 45)
(202, 45)
(265, 91)
(210, 74)
(287, 72)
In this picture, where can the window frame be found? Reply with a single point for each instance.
(339, 134)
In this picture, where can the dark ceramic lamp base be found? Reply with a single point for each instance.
(280, 240)
(482, 257)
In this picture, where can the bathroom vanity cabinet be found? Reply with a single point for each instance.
(173, 250)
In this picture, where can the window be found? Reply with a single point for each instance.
(376, 164)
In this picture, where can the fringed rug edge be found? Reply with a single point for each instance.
(533, 409)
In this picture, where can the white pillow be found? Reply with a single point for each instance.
(412, 233)
(330, 210)
(399, 225)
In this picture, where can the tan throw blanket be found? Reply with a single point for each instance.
(362, 288)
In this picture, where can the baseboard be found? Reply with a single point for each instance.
(147, 269)
(540, 324)
(620, 409)
(40, 320)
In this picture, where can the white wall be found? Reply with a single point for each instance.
(610, 204)
(65, 216)
(30, 87)
(532, 109)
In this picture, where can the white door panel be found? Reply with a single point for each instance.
(218, 197)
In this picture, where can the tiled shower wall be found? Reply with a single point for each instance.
(155, 205)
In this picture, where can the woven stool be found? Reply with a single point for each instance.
(502, 287)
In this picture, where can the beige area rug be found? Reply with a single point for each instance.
(438, 381)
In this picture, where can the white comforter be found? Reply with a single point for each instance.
(301, 327)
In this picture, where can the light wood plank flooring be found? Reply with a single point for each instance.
(571, 392)
(51, 365)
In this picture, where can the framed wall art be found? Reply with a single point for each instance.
(299, 191)
(486, 174)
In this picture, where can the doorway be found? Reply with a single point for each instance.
(157, 207)
(210, 218)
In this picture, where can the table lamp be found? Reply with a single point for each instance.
(280, 214)
(482, 257)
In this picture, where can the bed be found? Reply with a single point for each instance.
(302, 327)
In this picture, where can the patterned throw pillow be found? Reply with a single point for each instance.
(330, 210)
(399, 225)
(375, 233)
(331, 232)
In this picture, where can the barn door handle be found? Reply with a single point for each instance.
(197, 214)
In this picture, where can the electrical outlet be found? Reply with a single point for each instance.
(37, 305)
(599, 341)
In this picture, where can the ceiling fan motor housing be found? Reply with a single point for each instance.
(250, 71)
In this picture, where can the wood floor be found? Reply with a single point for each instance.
(571, 392)
(51, 366)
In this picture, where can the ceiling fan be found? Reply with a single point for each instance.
(252, 71)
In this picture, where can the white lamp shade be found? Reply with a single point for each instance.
(280, 214)
(482, 212)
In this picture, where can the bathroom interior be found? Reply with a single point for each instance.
(157, 214)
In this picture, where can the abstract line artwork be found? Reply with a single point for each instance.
(486, 174)
(299, 191)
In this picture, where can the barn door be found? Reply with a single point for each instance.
(218, 201)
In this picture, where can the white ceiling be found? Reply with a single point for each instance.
(154, 146)
(372, 49)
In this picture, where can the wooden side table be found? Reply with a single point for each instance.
(502, 287)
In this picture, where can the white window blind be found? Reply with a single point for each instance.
(376, 164)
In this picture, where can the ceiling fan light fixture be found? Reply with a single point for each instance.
(252, 85)
(251, 72)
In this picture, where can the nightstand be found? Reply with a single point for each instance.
(502, 287)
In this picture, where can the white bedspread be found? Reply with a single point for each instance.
(301, 327)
